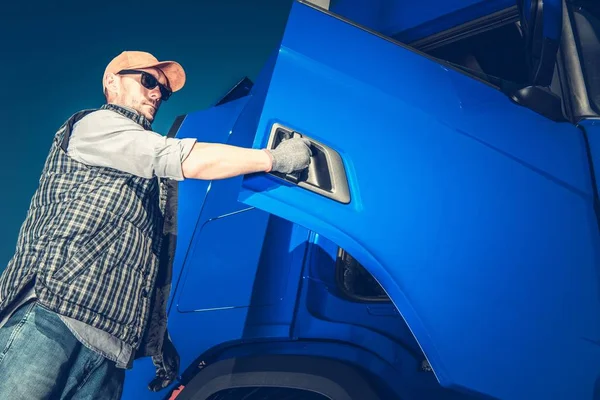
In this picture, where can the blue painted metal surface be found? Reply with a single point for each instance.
(211, 125)
(407, 22)
(475, 214)
(465, 206)
(541, 22)
(592, 131)
(553, 19)
(552, 16)
(324, 314)
(236, 269)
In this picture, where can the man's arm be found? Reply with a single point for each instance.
(218, 161)
(107, 139)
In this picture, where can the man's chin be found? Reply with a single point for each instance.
(149, 113)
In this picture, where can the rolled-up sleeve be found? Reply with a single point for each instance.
(107, 139)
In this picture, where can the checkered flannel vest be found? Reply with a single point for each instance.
(91, 242)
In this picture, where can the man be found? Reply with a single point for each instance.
(85, 293)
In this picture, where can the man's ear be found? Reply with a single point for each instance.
(111, 83)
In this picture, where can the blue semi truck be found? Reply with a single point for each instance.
(444, 242)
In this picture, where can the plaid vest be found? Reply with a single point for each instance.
(92, 242)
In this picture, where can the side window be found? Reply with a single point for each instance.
(355, 282)
(496, 53)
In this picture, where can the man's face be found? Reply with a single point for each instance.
(134, 95)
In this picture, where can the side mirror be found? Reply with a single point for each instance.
(541, 100)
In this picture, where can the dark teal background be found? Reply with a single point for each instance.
(52, 60)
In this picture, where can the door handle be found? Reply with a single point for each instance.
(325, 174)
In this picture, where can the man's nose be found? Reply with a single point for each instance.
(155, 93)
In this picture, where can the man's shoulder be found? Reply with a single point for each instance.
(103, 113)
(105, 117)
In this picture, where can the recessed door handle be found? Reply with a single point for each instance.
(325, 175)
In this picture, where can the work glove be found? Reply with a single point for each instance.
(166, 364)
(291, 155)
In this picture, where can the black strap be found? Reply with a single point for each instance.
(138, 119)
(69, 127)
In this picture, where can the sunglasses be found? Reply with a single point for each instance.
(149, 82)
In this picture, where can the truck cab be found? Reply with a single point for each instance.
(444, 241)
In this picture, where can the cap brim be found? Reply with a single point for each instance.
(172, 70)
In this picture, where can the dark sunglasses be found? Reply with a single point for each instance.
(149, 82)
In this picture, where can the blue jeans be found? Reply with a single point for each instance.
(41, 359)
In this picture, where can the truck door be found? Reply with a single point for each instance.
(474, 213)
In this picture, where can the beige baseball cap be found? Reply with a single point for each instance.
(140, 59)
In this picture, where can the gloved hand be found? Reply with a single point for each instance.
(167, 366)
(291, 155)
